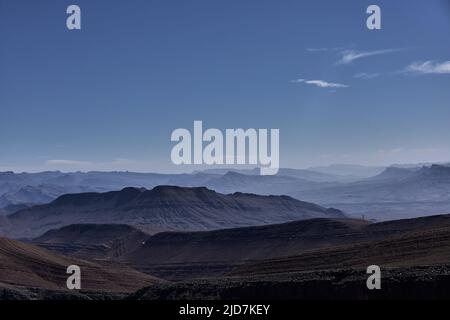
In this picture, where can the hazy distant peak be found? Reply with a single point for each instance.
(350, 170)
(436, 170)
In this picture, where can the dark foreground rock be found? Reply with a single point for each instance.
(401, 283)
(8, 292)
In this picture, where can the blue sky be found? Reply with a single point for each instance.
(108, 97)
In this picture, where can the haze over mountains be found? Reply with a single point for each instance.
(395, 193)
(351, 170)
(38, 188)
(400, 191)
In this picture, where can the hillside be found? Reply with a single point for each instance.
(180, 255)
(417, 248)
(93, 241)
(27, 265)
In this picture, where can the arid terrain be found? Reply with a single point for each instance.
(173, 242)
(310, 259)
(27, 271)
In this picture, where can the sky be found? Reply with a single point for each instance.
(108, 96)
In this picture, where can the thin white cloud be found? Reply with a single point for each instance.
(321, 83)
(325, 84)
(391, 151)
(64, 162)
(348, 56)
(324, 49)
(364, 75)
(429, 67)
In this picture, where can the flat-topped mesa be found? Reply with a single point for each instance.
(166, 208)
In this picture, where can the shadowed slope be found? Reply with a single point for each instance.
(30, 266)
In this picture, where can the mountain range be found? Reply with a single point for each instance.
(163, 208)
(38, 188)
(394, 193)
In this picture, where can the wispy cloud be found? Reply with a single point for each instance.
(429, 67)
(321, 83)
(364, 75)
(348, 56)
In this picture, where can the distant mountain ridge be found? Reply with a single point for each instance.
(40, 188)
(393, 193)
(352, 170)
(304, 174)
(393, 173)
